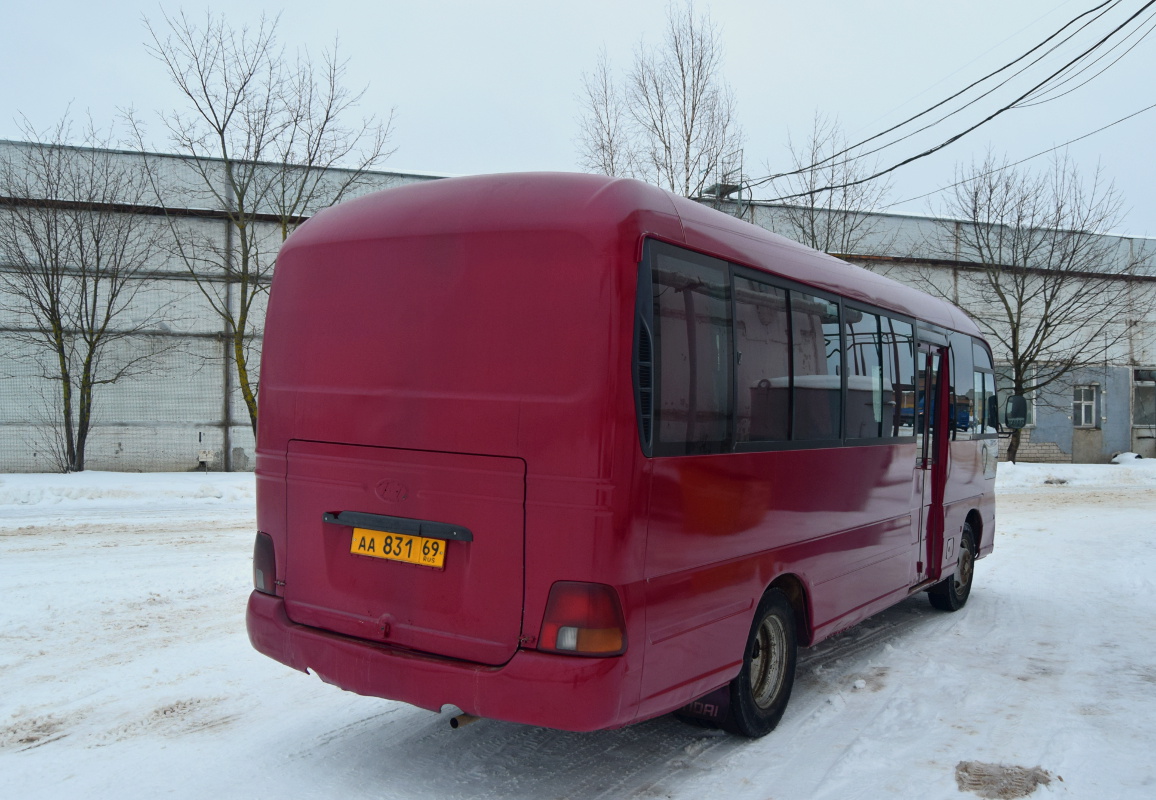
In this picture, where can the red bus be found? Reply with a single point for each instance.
(571, 451)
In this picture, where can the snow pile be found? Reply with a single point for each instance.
(125, 488)
(1128, 471)
(29, 496)
(89, 491)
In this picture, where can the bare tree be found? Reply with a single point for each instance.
(674, 124)
(604, 132)
(267, 141)
(1050, 291)
(828, 208)
(74, 247)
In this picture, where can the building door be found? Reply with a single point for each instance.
(1144, 412)
(1087, 437)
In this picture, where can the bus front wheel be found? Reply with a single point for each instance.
(951, 593)
(760, 693)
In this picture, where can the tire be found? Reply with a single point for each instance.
(951, 593)
(759, 695)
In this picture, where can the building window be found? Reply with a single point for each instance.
(1084, 406)
(1144, 397)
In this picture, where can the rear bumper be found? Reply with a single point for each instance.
(568, 693)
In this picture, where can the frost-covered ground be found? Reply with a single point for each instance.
(126, 671)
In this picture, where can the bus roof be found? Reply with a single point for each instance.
(618, 211)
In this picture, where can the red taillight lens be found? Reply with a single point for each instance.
(264, 564)
(583, 619)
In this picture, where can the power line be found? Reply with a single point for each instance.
(973, 84)
(1085, 68)
(960, 135)
(962, 67)
(1022, 160)
(975, 100)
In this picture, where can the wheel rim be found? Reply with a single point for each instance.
(768, 659)
(963, 570)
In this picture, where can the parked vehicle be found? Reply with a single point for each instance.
(571, 451)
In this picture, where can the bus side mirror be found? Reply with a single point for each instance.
(1016, 412)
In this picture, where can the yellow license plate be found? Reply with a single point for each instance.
(399, 547)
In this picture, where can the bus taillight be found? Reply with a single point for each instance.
(264, 564)
(583, 619)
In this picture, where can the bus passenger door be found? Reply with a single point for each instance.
(931, 453)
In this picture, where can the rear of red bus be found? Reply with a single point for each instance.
(447, 450)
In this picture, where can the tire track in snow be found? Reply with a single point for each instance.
(827, 684)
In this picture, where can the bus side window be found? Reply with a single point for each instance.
(868, 406)
(984, 392)
(981, 355)
(963, 408)
(984, 382)
(693, 352)
(816, 352)
(899, 376)
(762, 405)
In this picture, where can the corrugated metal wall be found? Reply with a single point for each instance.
(184, 411)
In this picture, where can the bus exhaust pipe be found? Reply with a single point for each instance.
(462, 720)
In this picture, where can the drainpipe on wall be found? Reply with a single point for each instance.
(227, 383)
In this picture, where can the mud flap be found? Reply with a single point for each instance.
(712, 708)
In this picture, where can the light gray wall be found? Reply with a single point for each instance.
(187, 403)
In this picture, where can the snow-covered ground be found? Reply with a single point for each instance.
(126, 671)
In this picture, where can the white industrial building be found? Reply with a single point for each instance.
(184, 411)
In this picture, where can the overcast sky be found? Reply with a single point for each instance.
(493, 86)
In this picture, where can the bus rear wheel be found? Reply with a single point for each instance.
(760, 693)
(951, 593)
